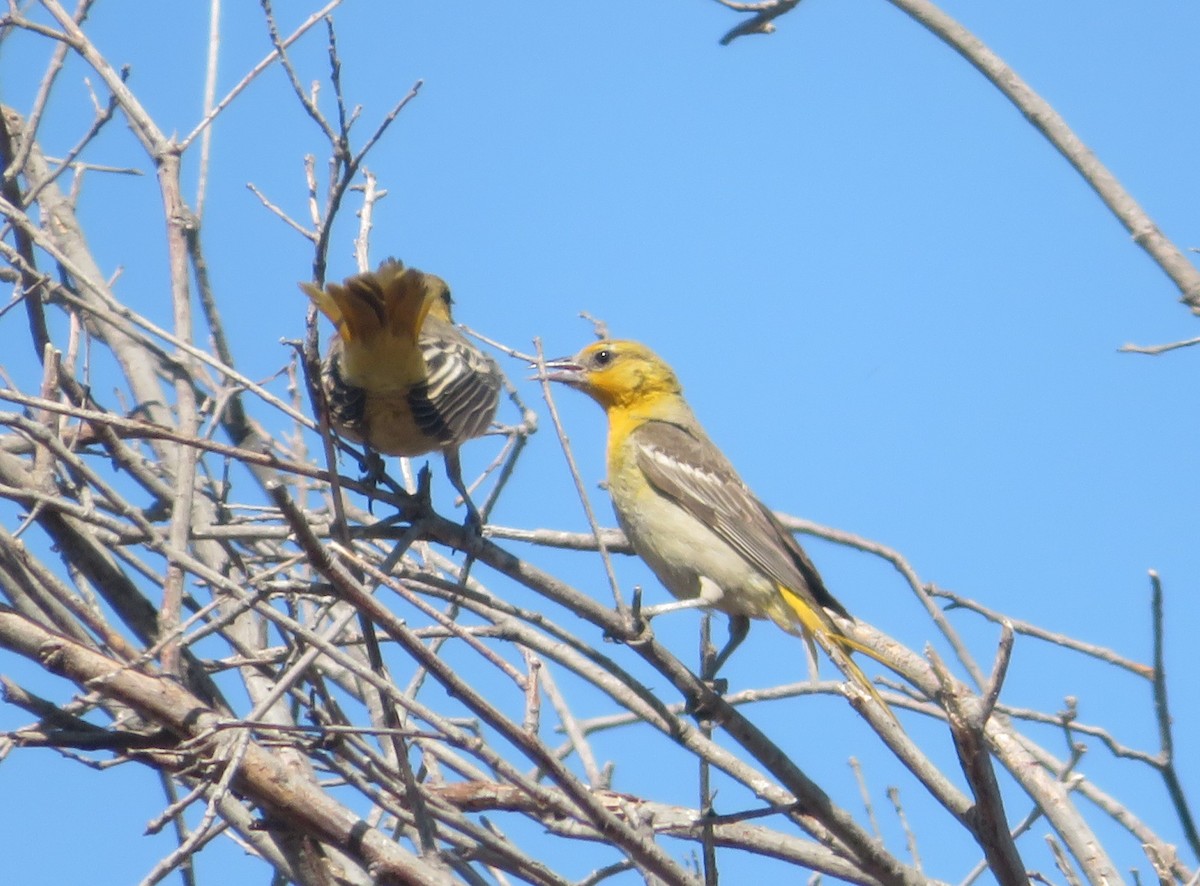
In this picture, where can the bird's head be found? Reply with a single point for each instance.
(438, 292)
(616, 373)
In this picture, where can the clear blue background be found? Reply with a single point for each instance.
(891, 302)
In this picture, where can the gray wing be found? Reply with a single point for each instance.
(687, 468)
(458, 398)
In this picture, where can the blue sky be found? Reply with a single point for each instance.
(890, 301)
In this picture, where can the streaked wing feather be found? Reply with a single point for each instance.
(689, 470)
(347, 403)
(462, 387)
(694, 474)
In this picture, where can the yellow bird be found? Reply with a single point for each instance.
(399, 377)
(688, 514)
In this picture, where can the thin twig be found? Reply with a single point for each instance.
(1100, 653)
(1162, 713)
(1155, 350)
(580, 489)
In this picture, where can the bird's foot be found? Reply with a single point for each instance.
(372, 466)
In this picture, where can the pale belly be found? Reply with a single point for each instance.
(693, 561)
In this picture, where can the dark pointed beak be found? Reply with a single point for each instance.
(565, 370)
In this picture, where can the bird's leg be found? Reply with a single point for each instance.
(708, 654)
(424, 507)
(373, 469)
(739, 627)
(454, 471)
(372, 466)
(641, 615)
(649, 612)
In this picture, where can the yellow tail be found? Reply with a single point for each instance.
(379, 316)
(812, 624)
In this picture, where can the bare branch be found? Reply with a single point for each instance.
(1162, 711)
(234, 614)
(1050, 124)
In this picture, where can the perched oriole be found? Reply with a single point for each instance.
(398, 376)
(688, 514)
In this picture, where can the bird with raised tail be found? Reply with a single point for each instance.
(399, 377)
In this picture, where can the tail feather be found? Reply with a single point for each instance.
(379, 316)
(863, 681)
(406, 296)
(392, 301)
(325, 303)
(361, 300)
(817, 624)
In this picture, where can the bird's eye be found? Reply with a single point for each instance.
(603, 358)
